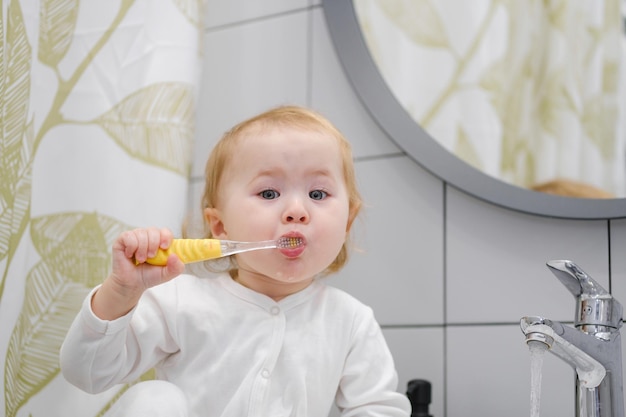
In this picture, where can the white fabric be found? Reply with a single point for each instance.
(235, 352)
(151, 399)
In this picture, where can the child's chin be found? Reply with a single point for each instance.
(286, 277)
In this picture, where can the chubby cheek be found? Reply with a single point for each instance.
(246, 224)
(329, 239)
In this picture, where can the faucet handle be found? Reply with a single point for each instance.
(575, 279)
(595, 305)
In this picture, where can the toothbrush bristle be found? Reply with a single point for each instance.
(289, 242)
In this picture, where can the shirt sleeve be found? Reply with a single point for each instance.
(98, 354)
(369, 383)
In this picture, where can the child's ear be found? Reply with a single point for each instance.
(214, 220)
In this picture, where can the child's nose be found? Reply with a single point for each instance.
(296, 213)
(301, 219)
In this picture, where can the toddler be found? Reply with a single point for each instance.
(266, 336)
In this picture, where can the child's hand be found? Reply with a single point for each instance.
(130, 277)
(130, 251)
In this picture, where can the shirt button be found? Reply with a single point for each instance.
(265, 373)
(275, 310)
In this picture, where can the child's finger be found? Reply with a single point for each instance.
(173, 268)
(166, 238)
(141, 248)
(127, 243)
(153, 241)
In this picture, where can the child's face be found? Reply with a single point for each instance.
(284, 182)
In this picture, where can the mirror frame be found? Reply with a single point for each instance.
(386, 110)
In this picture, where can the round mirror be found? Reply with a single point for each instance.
(401, 127)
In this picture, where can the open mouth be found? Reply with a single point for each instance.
(291, 246)
(290, 242)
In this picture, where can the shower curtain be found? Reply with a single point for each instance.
(526, 91)
(97, 104)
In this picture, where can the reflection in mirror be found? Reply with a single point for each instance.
(528, 92)
(393, 118)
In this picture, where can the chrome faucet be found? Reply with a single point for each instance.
(592, 347)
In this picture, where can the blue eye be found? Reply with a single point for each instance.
(269, 194)
(318, 194)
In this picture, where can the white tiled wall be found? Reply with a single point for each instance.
(448, 276)
(399, 245)
(496, 259)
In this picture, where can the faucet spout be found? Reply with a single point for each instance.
(537, 329)
(592, 346)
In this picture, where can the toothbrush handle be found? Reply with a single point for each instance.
(189, 250)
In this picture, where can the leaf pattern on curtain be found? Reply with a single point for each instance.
(528, 90)
(56, 29)
(155, 124)
(32, 358)
(16, 153)
(74, 250)
(69, 250)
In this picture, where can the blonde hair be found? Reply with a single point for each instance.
(569, 188)
(284, 116)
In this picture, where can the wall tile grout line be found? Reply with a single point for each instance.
(445, 296)
(217, 28)
(608, 238)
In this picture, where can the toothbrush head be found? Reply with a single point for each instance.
(289, 242)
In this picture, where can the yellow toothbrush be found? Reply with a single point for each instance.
(196, 250)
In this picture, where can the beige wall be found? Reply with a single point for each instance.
(449, 276)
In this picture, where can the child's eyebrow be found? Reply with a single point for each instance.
(320, 172)
(270, 172)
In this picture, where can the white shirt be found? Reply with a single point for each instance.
(235, 352)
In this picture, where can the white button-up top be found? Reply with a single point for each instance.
(235, 352)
